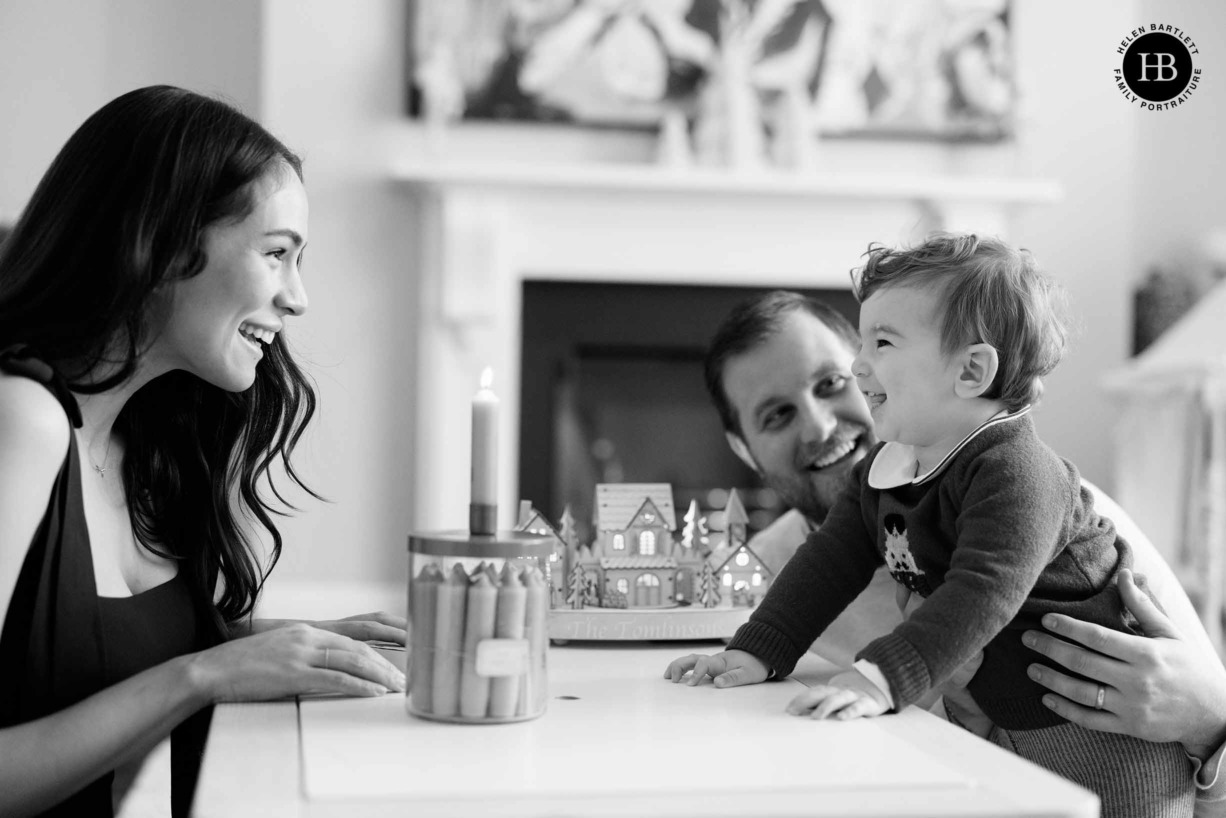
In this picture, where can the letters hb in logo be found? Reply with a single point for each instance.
(1157, 67)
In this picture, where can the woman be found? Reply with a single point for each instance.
(145, 391)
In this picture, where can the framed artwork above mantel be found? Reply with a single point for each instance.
(914, 70)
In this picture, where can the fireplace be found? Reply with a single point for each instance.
(611, 390)
(490, 234)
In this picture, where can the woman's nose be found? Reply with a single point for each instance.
(292, 298)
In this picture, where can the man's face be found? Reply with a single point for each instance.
(803, 420)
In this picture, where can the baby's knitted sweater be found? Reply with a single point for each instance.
(998, 535)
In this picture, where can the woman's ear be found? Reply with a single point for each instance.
(976, 371)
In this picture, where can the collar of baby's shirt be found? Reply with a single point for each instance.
(896, 464)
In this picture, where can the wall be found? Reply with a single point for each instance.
(325, 77)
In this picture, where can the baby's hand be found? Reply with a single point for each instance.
(849, 695)
(727, 669)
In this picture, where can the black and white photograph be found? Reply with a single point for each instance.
(612, 408)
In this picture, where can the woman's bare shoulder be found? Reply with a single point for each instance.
(34, 428)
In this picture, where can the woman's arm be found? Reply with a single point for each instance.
(49, 758)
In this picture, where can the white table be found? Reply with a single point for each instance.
(618, 739)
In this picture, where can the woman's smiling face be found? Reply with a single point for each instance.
(220, 320)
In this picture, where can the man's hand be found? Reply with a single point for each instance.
(849, 695)
(730, 668)
(1157, 687)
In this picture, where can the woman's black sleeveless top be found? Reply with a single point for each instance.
(62, 643)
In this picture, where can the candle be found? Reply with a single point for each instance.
(422, 603)
(536, 630)
(449, 641)
(478, 626)
(508, 624)
(483, 502)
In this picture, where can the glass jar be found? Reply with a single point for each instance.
(478, 627)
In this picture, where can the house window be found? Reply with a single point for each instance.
(741, 585)
(647, 543)
(619, 542)
(647, 580)
(742, 559)
(647, 591)
(756, 579)
(623, 586)
(727, 580)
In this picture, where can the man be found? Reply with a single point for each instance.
(779, 372)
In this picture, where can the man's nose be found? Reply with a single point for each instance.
(819, 421)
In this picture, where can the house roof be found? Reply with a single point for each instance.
(733, 553)
(532, 520)
(654, 561)
(617, 504)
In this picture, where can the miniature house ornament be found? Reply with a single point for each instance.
(637, 580)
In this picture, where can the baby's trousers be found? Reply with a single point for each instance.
(1133, 778)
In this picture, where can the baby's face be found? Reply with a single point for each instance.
(906, 378)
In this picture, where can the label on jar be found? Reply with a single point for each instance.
(502, 657)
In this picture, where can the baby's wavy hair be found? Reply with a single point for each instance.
(991, 293)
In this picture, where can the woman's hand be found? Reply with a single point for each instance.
(729, 668)
(1157, 687)
(293, 660)
(848, 695)
(371, 627)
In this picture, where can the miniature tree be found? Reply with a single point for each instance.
(569, 537)
(735, 521)
(578, 587)
(690, 532)
(708, 587)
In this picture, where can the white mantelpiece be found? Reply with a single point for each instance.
(486, 228)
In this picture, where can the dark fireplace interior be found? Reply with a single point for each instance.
(612, 391)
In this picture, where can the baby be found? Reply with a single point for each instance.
(968, 509)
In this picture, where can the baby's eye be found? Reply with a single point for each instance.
(278, 254)
(881, 342)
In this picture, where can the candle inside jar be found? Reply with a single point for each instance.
(484, 488)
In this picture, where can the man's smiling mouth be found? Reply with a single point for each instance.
(838, 452)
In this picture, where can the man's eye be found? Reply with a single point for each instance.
(775, 419)
(830, 385)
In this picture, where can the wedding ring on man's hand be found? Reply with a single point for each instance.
(1102, 694)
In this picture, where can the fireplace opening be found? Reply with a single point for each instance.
(612, 391)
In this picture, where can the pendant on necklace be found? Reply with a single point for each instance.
(102, 470)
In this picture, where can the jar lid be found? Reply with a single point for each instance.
(505, 544)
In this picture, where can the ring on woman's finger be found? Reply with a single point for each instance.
(1101, 697)
(325, 658)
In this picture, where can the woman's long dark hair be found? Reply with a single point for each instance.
(121, 212)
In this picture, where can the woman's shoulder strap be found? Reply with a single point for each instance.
(21, 360)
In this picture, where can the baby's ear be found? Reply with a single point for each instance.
(977, 367)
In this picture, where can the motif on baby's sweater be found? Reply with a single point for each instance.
(898, 557)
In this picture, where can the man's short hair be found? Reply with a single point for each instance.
(991, 293)
(750, 324)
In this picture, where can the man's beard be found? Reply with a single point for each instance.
(810, 494)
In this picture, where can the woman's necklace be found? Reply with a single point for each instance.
(102, 470)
